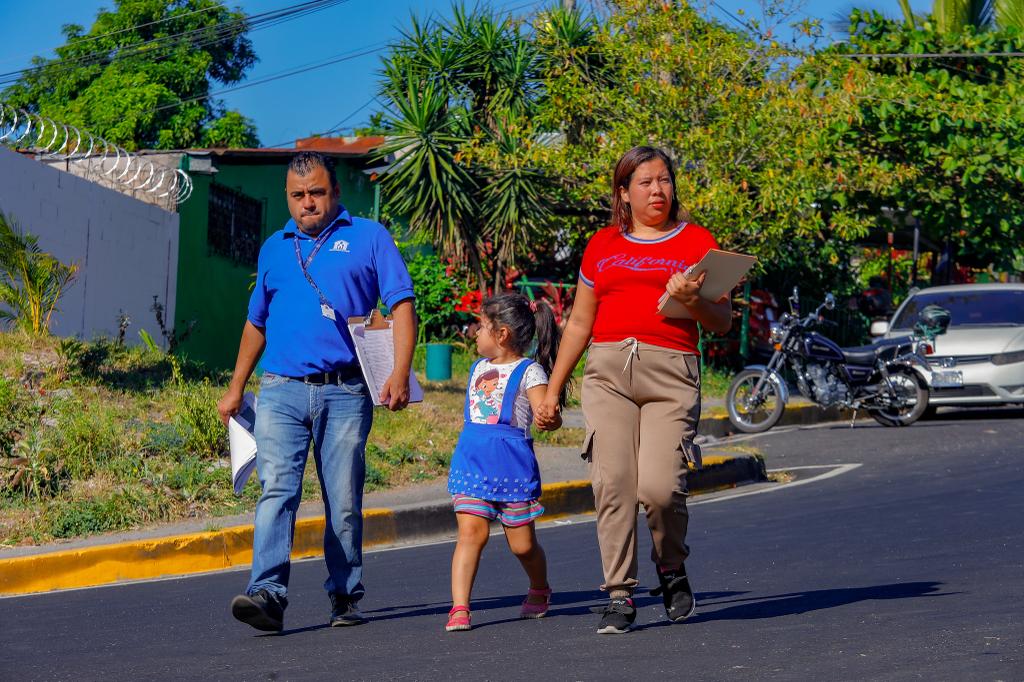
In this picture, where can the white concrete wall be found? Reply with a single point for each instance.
(126, 250)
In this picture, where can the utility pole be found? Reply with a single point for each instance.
(569, 5)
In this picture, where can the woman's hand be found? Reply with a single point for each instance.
(548, 414)
(714, 316)
(685, 290)
(549, 424)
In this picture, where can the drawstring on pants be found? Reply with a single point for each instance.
(634, 351)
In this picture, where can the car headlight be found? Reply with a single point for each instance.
(1008, 358)
(775, 333)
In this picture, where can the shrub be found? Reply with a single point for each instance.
(31, 281)
(435, 296)
(127, 507)
(197, 421)
(18, 410)
(31, 472)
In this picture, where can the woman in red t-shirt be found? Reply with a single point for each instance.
(641, 387)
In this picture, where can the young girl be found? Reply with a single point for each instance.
(494, 473)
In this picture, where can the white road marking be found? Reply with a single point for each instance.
(836, 470)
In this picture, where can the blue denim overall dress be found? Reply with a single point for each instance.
(495, 461)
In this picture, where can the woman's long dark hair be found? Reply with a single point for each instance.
(622, 214)
(524, 321)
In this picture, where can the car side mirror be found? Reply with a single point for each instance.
(879, 327)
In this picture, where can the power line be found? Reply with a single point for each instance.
(87, 38)
(222, 30)
(337, 126)
(333, 129)
(735, 18)
(929, 55)
(346, 56)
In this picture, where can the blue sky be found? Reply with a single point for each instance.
(317, 100)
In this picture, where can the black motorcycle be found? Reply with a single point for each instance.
(880, 378)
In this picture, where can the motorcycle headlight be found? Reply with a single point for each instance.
(775, 333)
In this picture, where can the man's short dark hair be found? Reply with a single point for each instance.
(303, 163)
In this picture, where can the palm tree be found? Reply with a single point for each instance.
(456, 90)
(31, 281)
(953, 16)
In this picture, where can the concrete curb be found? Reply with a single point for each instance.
(798, 415)
(232, 547)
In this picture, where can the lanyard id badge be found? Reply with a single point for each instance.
(326, 309)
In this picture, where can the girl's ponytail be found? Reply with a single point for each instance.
(548, 336)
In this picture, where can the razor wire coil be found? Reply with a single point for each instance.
(52, 140)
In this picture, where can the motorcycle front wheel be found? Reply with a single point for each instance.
(912, 400)
(751, 413)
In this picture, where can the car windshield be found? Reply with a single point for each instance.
(982, 308)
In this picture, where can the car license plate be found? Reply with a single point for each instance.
(947, 379)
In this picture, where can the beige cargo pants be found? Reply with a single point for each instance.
(641, 404)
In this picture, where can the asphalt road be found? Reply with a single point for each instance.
(908, 566)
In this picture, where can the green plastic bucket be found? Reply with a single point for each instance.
(439, 361)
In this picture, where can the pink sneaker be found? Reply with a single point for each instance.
(536, 610)
(458, 619)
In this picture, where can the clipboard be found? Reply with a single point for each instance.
(725, 270)
(242, 442)
(375, 349)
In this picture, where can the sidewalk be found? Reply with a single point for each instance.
(404, 515)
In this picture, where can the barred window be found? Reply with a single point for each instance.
(234, 225)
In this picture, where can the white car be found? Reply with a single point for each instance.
(980, 359)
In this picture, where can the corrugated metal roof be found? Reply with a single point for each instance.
(335, 146)
(354, 146)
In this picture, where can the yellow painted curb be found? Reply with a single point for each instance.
(175, 555)
(231, 547)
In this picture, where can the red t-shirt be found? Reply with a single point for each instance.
(628, 276)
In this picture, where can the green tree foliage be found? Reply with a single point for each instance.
(142, 74)
(953, 127)
(231, 130)
(760, 161)
(31, 281)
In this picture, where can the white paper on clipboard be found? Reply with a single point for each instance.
(724, 268)
(242, 443)
(375, 349)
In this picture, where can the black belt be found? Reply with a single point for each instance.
(334, 377)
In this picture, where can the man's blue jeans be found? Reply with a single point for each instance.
(337, 418)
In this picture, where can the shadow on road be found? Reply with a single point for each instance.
(795, 603)
(570, 603)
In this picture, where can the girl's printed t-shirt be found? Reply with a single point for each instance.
(628, 276)
(487, 390)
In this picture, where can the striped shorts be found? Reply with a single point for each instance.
(511, 514)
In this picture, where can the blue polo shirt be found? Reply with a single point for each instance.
(358, 264)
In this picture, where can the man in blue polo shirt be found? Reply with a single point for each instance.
(323, 267)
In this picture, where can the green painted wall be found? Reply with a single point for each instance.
(212, 289)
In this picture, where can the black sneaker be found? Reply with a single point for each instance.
(617, 617)
(675, 592)
(263, 610)
(344, 611)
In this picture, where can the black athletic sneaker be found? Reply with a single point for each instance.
(344, 611)
(617, 617)
(263, 610)
(676, 594)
